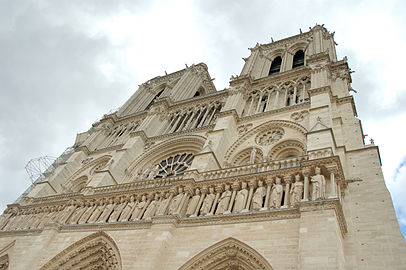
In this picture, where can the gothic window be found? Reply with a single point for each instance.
(298, 59)
(174, 165)
(275, 66)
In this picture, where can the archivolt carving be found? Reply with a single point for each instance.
(192, 144)
(265, 126)
(286, 149)
(228, 254)
(96, 251)
(4, 262)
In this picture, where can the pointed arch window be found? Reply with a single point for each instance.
(275, 66)
(298, 59)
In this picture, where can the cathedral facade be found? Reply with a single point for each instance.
(270, 173)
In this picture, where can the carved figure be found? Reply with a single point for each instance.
(318, 185)
(253, 154)
(296, 191)
(126, 213)
(152, 207)
(162, 206)
(208, 201)
(89, 210)
(152, 173)
(276, 194)
(258, 198)
(224, 200)
(173, 207)
(120, 204)
(97, 212)
(78, 212)
(138, 208)
(106, 211)
(241, 198)
(193, 203)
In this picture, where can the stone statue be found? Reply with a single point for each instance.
(224, 200)
(78, 212)
(276, 194)
(241, 198)
(126, 213)
(253, 154)
(138, 208)
(138, 174)
(258, 198)
(88, 212)
(296, 191)
(97, 212)
(152, 173)
(208, 201)
(118, 208)
(173, 207)
(152, 207)
(318, 185)
(162, 206)
(146, 173)
(106, 211)
(193, 203)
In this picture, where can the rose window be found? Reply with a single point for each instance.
(174, 165)
(269, 136)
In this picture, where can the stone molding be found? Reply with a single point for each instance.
(229, 253)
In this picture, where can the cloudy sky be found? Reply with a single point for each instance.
(65, 63)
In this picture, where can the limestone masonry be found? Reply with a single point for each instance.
(271, 173)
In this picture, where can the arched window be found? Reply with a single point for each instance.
(298, 59)
(174, 165)
(275, 66)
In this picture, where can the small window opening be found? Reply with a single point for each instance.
(197, 94)
(298, 59)
(275, 66)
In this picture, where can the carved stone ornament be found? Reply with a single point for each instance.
(269, 137)
(243, 129)
(299, 116)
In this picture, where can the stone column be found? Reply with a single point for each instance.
(333, 184)
(219, 190)
(306, 174)
(252, 185)
(204, 191)
(235, 188)
(269, 183)
(288, 180)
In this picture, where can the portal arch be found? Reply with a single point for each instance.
(229, 253)
(96, 251)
